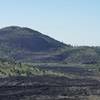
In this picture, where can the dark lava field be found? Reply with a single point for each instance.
(48, 88)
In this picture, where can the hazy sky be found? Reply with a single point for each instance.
(75, 22)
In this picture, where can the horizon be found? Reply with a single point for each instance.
(73, 22)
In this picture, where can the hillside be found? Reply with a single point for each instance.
(27, 39)
(20, 81)
(21, 43)
(27, 45)
(34, 66)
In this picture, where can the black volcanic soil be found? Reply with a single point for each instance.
(47, 88)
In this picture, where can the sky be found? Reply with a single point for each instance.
(75, 22)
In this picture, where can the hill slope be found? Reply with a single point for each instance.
(24, 44)
(27, 39)
(21, 43)
(71, 73)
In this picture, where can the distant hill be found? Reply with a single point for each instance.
(27, 39)
(27, 45)
(82, 55)
(21, 43)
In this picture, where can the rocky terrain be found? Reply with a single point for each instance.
(48, 88)
(27, 45)
(34, 66)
